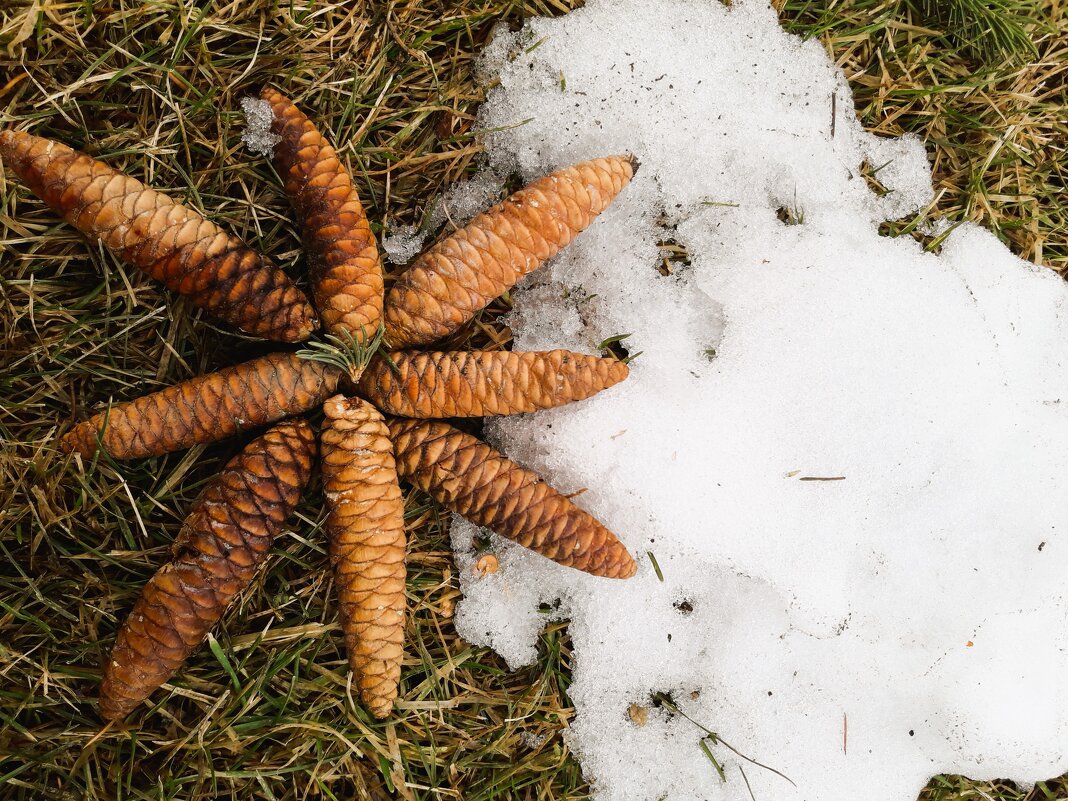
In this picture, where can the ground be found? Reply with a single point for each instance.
(266, 710)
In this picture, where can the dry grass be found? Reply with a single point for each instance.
(996, 129)
(153, 88)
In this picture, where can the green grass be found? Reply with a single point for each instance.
(267, 711)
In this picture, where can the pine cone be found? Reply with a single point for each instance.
(464, 272)
(481, 384)
(467, 476)
(169, 241)
(206, 408)
(224, 540)
(365, 525)
(342, 256)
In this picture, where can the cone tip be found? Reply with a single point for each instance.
(78, 439)
(379, 706)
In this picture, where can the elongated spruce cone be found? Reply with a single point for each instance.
(365, 526)
(207, 408)
(468, 476)
(481, 384)
(224, 540)
(342, 256)
(464, 272)
(171, 242)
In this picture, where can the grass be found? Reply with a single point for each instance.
(267, 711)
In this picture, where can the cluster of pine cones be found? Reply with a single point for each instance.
(370, 354)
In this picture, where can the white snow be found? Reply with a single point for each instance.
(459, 203)
(257, 134)
(907, 617)
(403, 243)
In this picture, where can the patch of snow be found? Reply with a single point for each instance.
(403, 243)
(845, 454)
(257, 134)
(457, 205)
(465, 199)
(531, 740)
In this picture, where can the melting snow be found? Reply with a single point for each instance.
(456, 206)
(845, 454)
(257, 134)
(403, 243)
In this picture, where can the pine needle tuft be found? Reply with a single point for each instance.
(985, 29)
(348, 352)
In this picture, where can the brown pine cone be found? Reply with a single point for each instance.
(464, 272)
(224, 540)
(481, 384)
(342, 256)
(365, 525)
(206, 408)
(169, 241)
(468, 476)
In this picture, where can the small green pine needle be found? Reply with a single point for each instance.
(348, 353)
(985, 29)
(656, 565)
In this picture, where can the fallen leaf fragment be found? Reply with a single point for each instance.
(169, 241)
(481, 384)
(365, 526)
(638, 714)
(223, 542)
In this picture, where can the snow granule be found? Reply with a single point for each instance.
(532, 740)
(465, 199)
(403, 243)
(844, 453)
(257, 134)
